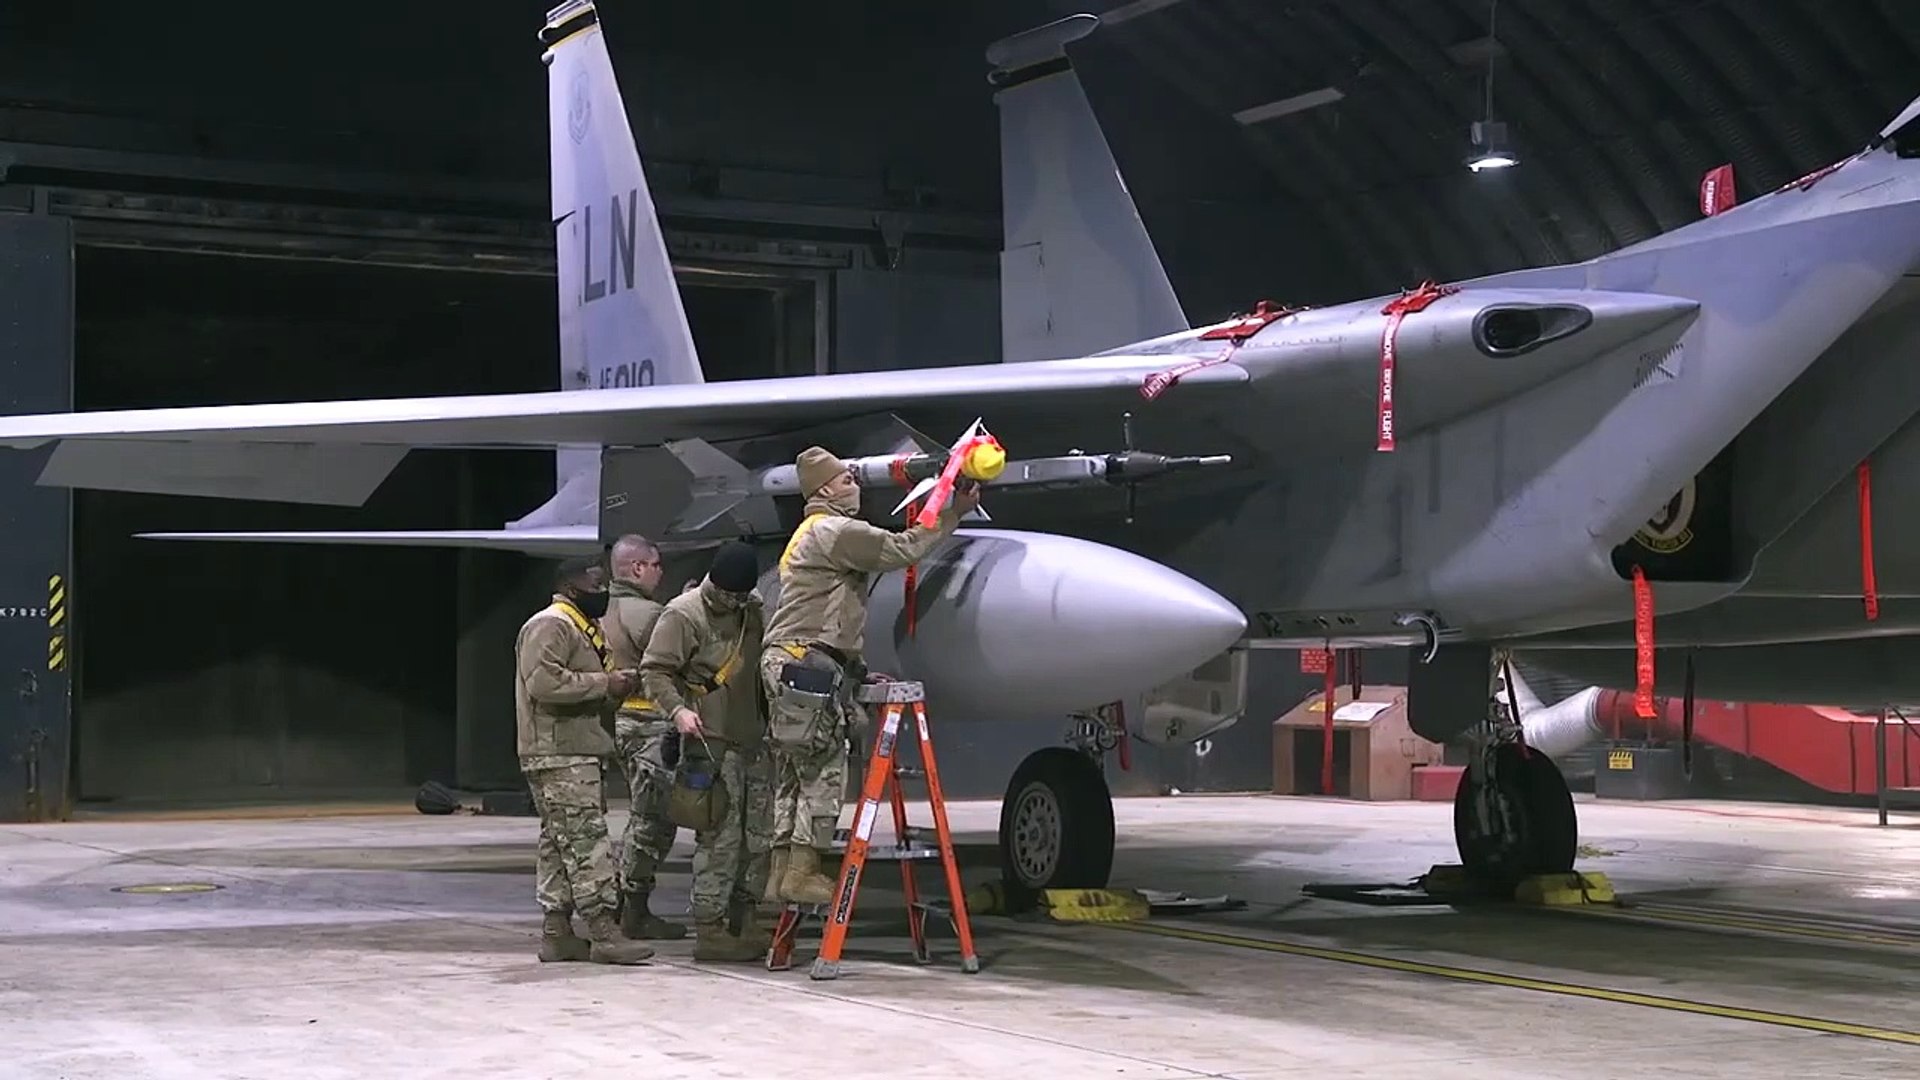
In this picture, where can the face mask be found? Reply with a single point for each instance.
(847, 502)
(593, 605)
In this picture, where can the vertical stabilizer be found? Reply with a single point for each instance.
(621, 319)
(1078, 272)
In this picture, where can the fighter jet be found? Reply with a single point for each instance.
(1455, 469)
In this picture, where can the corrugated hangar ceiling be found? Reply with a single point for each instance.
(1337, 128)
(1359, 109)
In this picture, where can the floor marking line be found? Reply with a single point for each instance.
(1755, 923)
(1521, 982)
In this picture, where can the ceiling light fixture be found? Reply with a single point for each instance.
(1492, 151)
(1489, 136)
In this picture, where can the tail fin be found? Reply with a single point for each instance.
(1078, 273)
(621, 319)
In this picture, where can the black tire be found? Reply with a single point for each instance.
(1545, 831)
(1056, 827)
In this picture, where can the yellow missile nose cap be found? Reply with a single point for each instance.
(984, 462)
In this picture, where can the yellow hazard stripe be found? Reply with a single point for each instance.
(56, 623)
(1518, 982)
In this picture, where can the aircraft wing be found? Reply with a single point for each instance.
(556, 542)
(338, 452)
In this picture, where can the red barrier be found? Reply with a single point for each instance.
(1830, 748)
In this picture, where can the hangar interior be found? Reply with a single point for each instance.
(205, 207)
(382, 235)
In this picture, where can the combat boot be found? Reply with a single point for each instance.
(776, 870)
(637, 922)
(803, 883)
(712, 942)
(610, 946)
(558, 942)
(752, 931)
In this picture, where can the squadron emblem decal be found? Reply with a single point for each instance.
(579, 107)
(1671, 529)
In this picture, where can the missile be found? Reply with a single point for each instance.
(720, 484)
(1064, 470)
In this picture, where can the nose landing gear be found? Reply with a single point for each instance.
(1513, 819)
(1513, 815)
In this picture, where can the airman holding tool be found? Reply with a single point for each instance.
(691, 673)
(812, 660)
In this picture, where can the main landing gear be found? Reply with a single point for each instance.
(1056, 820)
(1513, 815)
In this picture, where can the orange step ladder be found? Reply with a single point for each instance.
(884, 775)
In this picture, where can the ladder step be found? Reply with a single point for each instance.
(915, 834)
(900, 852)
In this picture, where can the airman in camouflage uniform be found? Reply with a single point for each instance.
(698, 671)
(820, 624)
(563, 689)
(641, 735)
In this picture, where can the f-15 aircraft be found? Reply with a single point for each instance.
(1457, 470)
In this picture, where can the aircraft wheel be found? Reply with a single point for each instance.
(1056, 827)
(1515, 820)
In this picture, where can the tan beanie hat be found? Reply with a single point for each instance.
(817, 468)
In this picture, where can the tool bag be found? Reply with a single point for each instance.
(698, 800)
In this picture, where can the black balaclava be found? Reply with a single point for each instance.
(736, 569)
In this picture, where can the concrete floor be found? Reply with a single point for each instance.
(399, 945)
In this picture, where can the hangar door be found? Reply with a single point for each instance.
(235, 670)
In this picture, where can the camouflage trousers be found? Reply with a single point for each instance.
(809, 781)
(640, 743)
(730, 862)
(573, 868)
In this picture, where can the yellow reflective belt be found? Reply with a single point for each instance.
(733, 660)
(695, 693)
(586, 626)
(799, 532)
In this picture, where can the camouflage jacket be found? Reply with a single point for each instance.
(628, 623)
(702, 657)
(560, 685)
(827, 570)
